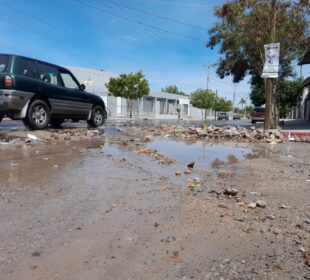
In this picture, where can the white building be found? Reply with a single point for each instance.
(157, 104)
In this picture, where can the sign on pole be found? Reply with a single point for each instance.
(271, 66)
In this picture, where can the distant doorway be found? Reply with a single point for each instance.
(307, 109)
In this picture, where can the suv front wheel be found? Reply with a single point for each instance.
(98, 116)
(38, 115)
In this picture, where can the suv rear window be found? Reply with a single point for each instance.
(259, 110)
(4, 61)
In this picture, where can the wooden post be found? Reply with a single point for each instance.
(269, 81)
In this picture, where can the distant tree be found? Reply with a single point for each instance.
(173, 89)
(237, 110)
(257, 94)
(249, 109)
(243, 103)
(287, 94)
(179, 112)
(222, 105)
(244, 27)
(203, 99)
(129, 86)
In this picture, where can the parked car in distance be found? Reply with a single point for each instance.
(40, 93)
(258, 114)
(223, 116)
(236, 116)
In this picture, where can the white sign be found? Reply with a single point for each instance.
(271, 66)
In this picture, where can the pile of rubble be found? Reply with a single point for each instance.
(239, 134)
(74, 134)
(33, 137)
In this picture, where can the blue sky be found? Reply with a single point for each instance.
(106, 34)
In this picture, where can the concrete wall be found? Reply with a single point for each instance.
(158, 104)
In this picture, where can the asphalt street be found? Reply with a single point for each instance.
(9, 125)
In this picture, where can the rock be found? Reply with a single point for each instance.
(148, 138)
(67, 137)
(187, 172)
(255, 193)
(191, 184)
(226, 174)
(283, 206)
(252, 205)
(178, 173)
(300, 226)
(197, 180)
(191, 165)
(32, 137)
(273, 140)
(302, 249)
(261, 203)
(175, 253)
(228, 133)
(36, 254)
(307, 221)
(231, 191)
(270, 217)
(223, 205)
(278, 134)
(276, 231)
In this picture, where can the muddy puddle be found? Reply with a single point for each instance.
(28, 165)
(206, 155)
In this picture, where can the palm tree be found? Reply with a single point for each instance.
(243, 103)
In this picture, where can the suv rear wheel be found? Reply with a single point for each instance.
(1, 117)
(98, 116)
(38, 115)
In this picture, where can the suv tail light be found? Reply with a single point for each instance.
(7, 81)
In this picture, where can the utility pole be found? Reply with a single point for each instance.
(234, 99)
(208, 72)
(269, 82)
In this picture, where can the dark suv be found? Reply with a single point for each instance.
(223, 116)
(258, 114)
(40, 93)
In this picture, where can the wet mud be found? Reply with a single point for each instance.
(122, 206)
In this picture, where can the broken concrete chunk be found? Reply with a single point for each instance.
(231, 191)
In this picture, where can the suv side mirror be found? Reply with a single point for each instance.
(82, 87)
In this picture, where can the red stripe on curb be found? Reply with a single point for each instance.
(296, 134)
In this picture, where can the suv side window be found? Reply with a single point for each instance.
(68, 80)
(4, 61)
(49, 74)
(27, 67)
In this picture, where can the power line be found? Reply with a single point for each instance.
(53, 39)
(136, 21)
(155, 33)
(157, 16)
(226, 83)
(66, 32)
